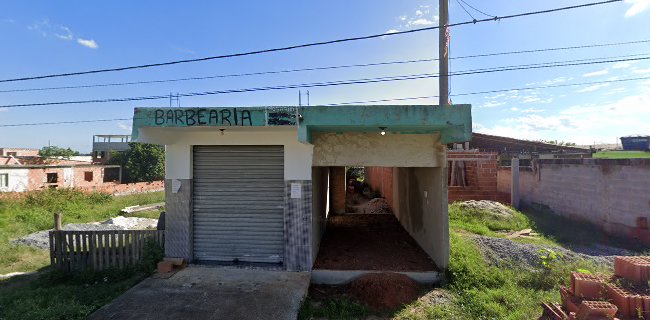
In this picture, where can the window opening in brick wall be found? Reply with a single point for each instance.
(4, 180)
(88, 176)
(52, 177)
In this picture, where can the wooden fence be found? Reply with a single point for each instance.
(100, 250)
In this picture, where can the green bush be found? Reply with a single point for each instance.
(152, 254)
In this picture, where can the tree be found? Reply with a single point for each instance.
(141, 162)
(57, 152)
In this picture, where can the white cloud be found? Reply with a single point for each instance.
(593, 87)
(623, 64)
(637, 7)
(124, 126)
(420, 22)
(4, 109)
(641, 71)
(419, 13)
(67, 34)
(514, 109)
(90, 43)
(596, 73)
(532, 110)
(582, 124)
(492, 104)
(391, 31)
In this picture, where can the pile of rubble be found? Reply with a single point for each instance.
(625, 295)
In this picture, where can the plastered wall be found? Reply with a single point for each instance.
(373, 149)
(610, 193)
(18, 180)
(420, 204)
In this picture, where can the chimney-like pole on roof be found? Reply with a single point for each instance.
(443, 53)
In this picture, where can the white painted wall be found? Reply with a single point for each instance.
(68, 177)
(179, 141)
(18, 180)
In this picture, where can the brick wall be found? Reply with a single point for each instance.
(338, 186)
(611, 193)
(380, 179)
(129, 188)
(480, 176)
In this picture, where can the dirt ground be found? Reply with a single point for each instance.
(370, 242)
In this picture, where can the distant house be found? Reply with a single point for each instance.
(19, 174)
(18, 152)
(105, 144)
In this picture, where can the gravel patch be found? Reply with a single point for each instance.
(41, 240)
(504, 252)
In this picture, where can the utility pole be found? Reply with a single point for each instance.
(443, 53)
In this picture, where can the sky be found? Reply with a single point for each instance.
(43, 37)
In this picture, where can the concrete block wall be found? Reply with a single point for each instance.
(611, 193)
(380, 179)
(481, 176)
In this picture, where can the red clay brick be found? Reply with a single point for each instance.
(596, 309)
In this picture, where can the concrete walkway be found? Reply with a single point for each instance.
(204, 292)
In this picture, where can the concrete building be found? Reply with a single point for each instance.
(104, 144)
(20, 174)
(254, 185)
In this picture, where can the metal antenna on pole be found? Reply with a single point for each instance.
(174, 97)
(300, 94)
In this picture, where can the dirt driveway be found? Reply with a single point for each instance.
(203, 292)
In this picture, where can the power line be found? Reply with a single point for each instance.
(297, 70)
(479, 11)
(325, 84)
(324, 68)
(363, 102)
(313, 44)
(469, 14)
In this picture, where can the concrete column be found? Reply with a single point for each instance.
(514, 191)
(338, 186)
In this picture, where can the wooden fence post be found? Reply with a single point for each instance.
(57, 221)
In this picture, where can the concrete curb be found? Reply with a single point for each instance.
(338, 277)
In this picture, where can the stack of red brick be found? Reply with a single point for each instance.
(625, 295)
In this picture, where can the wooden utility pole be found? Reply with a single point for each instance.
(443, 53)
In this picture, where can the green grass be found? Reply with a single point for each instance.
(34, 211)
(621, 154)
(479, 290)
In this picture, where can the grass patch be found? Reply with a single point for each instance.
(621, 154)
(34, 211)
(340, 307)
(57, 295)
(482, 222)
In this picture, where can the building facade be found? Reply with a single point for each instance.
(252, 185)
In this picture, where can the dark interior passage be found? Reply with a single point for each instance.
(370, 242)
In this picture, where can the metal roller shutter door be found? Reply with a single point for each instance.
(238, 203)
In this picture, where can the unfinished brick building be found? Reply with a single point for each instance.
(20, 174)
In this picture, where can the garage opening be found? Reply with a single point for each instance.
(238, 204)
(365, 227)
